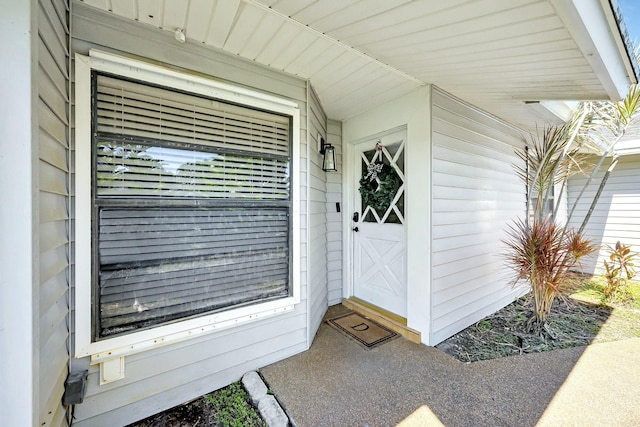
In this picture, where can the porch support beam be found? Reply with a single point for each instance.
(18, 222)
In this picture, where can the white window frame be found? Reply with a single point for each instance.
(134, 342)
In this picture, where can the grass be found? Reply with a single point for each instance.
(585, 318)
(624, 321)
(232, 408)
(227, 407)
(592, 290)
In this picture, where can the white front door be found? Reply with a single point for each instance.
(380, 241)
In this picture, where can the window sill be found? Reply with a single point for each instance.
(118, 347)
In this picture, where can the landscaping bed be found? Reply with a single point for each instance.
(581, 319)
(228, 407)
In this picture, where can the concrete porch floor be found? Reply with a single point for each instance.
(339, 383)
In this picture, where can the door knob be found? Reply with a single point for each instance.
(356, 229)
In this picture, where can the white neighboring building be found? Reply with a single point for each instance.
(617, 214)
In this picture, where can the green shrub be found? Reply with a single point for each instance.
(618, 270)
(232, 407)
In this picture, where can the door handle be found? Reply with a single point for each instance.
(356, 216)
(355, 229)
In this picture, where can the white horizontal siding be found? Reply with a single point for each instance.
(53, 215)
(617, 214)
(158, 380)
(476, 194)
(334, 218)
(317, 122)
(164, 377)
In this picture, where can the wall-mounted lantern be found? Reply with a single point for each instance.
(328, 152)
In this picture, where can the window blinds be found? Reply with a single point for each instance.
(158, 266)
(192, 205)
(128, 170)
(149, 112)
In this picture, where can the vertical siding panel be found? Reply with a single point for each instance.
(476, 193)
(53, 239)
(616, 216)
(167, 376)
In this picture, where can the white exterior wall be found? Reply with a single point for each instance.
(317, 235)
(166, 376)
(617, 214)
(334, 218)
(18, 221)
(561, 203)
(476, 194)
(461, 195)
(325, 227)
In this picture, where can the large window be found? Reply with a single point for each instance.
(191, 207)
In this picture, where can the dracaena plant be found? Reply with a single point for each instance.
(543, 254)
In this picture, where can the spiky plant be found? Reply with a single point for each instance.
(619, 269)
(548, 159)
(542, 254)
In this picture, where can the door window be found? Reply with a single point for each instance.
(382, 184)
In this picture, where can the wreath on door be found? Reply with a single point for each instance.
(379, 186)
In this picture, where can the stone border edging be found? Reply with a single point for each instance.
(267, 405)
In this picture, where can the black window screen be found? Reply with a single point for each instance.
(192, 205)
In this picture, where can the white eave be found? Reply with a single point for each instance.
(503, 56)
(594, 27)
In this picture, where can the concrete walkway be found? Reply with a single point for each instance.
(339, 383)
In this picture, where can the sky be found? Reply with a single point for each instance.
(631, 15)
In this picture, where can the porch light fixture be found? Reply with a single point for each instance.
(328, 152)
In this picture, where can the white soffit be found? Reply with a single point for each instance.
(361, 53)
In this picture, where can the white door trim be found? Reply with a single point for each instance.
(348, 188)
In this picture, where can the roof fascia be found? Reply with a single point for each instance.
(593, 26)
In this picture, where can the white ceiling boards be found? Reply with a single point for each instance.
(362, 53)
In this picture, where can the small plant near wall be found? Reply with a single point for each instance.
(618, 270)
(232, 408)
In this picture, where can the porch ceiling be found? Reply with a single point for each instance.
(360, 53)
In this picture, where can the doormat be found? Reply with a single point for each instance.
(365, 331)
